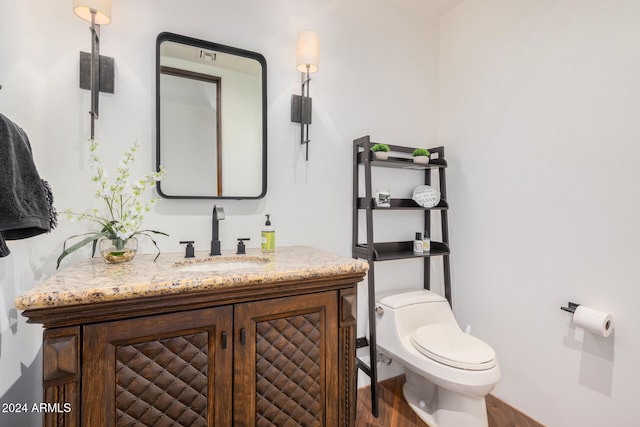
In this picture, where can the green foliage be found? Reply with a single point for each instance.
(380, 147)
(420, 152)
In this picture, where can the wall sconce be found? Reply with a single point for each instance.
(96, 71)
(308, 52)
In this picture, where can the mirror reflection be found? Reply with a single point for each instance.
(210, 119)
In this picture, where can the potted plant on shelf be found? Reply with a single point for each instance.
(120, 222)
(380, 151)
(420, 155)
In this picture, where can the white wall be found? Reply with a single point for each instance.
(538, 107)
(377, 76)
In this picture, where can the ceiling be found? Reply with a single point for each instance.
(442, 6)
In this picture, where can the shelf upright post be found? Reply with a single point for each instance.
(371, 370)
(444, 219)
(373, 366)
(355, 192)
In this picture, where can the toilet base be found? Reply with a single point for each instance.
(439, 407)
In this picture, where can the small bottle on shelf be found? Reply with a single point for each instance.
(418, 247)
(426, 243)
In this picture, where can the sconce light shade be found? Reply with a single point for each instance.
(83, 9)
(308, 51)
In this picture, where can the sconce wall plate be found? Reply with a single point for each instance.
(106, 69)
(301, 107)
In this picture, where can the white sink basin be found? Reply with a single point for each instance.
(222, 264)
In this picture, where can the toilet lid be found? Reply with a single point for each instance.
(452, 347)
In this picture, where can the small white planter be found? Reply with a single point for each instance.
(381, 155)
(421, 159)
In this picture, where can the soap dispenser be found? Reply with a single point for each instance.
(268, 237)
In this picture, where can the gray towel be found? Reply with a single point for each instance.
(26, 201)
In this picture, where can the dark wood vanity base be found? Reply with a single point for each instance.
(275, 354)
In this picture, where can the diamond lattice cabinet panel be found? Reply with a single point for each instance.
(288, 373)
(163, 382)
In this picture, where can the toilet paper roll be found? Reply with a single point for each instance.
(594, 321)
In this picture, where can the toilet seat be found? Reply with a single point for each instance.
(452, 347)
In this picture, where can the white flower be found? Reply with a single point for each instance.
(125, 211)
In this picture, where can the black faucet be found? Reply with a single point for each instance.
(218, 214)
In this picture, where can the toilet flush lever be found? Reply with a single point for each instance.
(379, 311)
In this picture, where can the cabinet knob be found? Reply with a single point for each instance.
(224, 340)
(243, 336)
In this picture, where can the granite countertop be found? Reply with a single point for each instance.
(92, 280)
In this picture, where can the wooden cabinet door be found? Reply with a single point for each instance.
(165, 370)
(286, 361)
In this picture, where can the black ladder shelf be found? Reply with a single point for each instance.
(385, 251)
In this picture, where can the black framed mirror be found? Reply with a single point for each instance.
(211, 119)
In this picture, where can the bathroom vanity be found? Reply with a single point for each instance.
(237, 340)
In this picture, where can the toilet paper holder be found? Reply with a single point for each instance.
(571, 308)
(589, 319)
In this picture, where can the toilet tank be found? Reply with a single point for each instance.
(414, 308)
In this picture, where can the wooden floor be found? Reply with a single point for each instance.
(394, 411)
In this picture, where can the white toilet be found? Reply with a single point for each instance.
(448, 372)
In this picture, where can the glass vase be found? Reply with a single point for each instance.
(115, 251)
